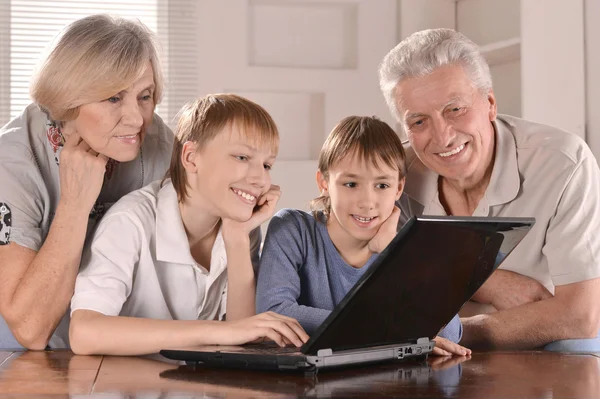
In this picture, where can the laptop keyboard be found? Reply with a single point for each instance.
(270, 349)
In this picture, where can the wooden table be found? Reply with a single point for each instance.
(60, 374)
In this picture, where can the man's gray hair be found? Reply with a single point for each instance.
(422, 52)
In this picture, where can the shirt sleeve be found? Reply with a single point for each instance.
(105, 280)
(453, 330)
(23, 197)
(572, 244)
(279, 285)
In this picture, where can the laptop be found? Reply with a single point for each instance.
(415, 287)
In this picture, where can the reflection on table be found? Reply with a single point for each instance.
(485, 375)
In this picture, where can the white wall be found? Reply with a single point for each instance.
(592, 84)
(553, 63)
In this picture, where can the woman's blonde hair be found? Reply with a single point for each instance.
(202, 120)
(95, 58)
(373, 140)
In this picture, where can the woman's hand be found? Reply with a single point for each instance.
(386, 233)
(444, 347)
(81, 173)
(281, 329)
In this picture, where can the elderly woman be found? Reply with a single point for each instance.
(90, 137)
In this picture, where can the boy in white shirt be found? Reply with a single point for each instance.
(168, 261)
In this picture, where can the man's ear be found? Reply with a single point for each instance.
(493, 111)
(189, 157)
(400, 188)
(322, 183)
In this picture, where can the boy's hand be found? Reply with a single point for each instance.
(387, 232)
(444, 347)
(264, 209)
(281, 329)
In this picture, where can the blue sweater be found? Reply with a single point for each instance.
(302, 275)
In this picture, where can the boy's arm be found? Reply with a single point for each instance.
(94, 333)
(240, 245)
(279, 285)
(241, 283)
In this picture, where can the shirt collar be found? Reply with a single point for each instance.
(505, 182)
(172, 244)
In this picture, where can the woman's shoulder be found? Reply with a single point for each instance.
(24, 133)
(160, 132)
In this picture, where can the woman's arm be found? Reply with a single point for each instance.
(92, 333)
(36, 287)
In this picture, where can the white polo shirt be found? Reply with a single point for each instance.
(139, 263)
(540, 172)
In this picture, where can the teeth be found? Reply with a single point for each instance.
(363, 220)
(454, 151)
(245, 195)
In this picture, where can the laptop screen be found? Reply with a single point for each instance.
(419, 282)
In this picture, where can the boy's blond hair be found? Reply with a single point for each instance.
(204, 119)
(95, 58)
(373, 140)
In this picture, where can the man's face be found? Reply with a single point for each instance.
(448, 123)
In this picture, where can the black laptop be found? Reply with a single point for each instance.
(417, 285)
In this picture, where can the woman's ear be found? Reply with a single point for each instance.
(188, 157)
(400, 188)
(322, 183)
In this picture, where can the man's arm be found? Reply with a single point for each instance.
(506, 290)
(573, 313)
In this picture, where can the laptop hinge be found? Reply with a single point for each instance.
(424, 340)
(324, 352)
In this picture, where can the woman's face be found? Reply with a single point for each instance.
(116, 126)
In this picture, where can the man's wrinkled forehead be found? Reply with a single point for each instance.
(437, 90)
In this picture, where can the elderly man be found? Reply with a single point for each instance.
(465, 159)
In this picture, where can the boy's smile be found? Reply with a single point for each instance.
(362, 198)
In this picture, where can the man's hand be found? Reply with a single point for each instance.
(506, 290)
(386, 233)
(445, 347)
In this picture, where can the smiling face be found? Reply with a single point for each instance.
(448, 123)
(362, 198)
(116, 126)
(230, 174)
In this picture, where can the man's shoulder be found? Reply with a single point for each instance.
(546, 141)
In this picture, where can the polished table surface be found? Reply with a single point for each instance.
(60, 374)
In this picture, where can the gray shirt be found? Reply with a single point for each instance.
(30, 188)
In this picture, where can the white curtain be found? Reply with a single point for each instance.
(27, 28)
